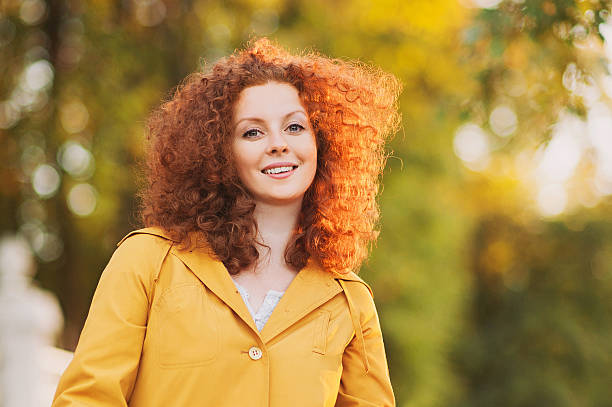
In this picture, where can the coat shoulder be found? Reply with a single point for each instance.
(360, 286)
(147, 235)
(142, 251)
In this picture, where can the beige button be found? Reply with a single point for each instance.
(255, 353)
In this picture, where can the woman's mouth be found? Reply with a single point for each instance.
(279, 171)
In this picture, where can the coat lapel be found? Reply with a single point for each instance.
(311, 288)
(215, 276)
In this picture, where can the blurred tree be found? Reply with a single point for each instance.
(542, 107)
(539, 327)
(537, 331)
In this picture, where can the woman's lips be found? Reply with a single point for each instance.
(286, 170)
(281, 175)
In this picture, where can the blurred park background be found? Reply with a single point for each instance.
(493, 272)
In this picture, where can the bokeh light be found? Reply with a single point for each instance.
(150, 13)
(503, 121)
(560, 157)
(38, 76)
(47, 246)
(471, 144)
(76, 160)
(74, 116)
(45, 180)
(82, 199)
(552, 199)
(570, 78)
(264, 21)
(32, 12)
(29, 101)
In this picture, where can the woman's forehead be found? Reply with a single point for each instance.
(272, 99)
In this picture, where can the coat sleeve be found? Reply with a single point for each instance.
(358, 387)
(106, 359)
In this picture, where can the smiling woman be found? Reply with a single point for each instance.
(274, 146)
(260, 204)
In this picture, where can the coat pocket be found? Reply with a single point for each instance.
(187, 330)
(320, 332)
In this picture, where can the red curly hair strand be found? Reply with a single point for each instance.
(192, 184)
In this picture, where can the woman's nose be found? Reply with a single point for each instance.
(277, 143)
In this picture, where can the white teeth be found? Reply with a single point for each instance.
(277, 170)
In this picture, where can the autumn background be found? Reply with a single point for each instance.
(493, 272)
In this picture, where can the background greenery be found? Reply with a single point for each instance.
(493, 273)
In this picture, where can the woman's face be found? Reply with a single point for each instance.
(273, 144)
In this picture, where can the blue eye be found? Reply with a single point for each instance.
(294, 127)
(251, 133)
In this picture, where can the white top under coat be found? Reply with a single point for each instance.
(265, 310)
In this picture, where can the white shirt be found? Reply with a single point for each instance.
(265, 310)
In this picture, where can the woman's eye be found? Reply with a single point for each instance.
(251, 133)
(294, 127)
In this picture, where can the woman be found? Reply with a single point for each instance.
(260, 202)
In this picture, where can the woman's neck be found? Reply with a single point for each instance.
(275, 225)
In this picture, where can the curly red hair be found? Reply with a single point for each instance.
(192, 184)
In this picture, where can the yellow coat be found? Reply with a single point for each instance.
(168, 328)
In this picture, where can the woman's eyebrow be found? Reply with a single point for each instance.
(294, 112)
(259, 120)
(250, 119)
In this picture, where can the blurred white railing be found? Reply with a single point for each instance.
(53, 362)
(30, 319)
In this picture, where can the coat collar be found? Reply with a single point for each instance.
(311, 288)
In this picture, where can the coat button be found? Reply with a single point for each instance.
(255, 353)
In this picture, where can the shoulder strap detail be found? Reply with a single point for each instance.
(155, 231)
(354, 312)
(351, 276)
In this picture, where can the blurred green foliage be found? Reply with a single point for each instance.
(539, 330)
(483, 302)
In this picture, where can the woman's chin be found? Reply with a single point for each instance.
(280, 199)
